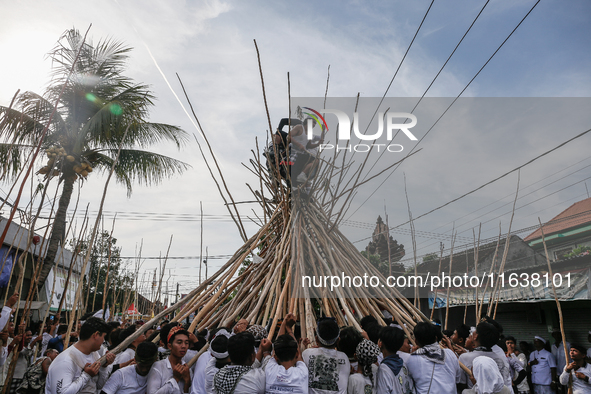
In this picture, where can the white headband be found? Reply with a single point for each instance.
(219, 356)
(540, 338)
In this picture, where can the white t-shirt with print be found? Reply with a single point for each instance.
(286, 381)
(328, 370)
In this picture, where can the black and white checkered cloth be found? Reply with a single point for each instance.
(226, 379)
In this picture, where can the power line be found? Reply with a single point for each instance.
(447, 109)
(492, 181)
(431, 84)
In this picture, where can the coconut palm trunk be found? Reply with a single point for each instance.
(58, 231)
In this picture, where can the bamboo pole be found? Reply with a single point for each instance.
(560, 318)
(451, 256)
(438, 273)
(108, 265)
(92, 237)
(506, 250)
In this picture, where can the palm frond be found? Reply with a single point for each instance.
(11, 160)
(145, 168)
(25, 123)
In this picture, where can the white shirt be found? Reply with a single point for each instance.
(210, 371)
(387, 383)
(285, 381)
(441, 377)
(44, 342)
(541, 373)
(198, 383)
(328, 370)
(125, 356)
(22, 362)
(579, 385)
(126, 381)
(252, 382)
(161, 381)
(501, 361)
(360, 384)
(66, 375)
(404, 356)
(523, 386)
(4, 317)
(558, 353)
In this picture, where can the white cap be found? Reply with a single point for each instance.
(540, 338)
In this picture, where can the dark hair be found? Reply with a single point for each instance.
(392, 338)
(114, 338)
(62, 329)
(328, 329)
(438, 333)
(153, 335)
(525, 348)
(425, 333)
(448, 333)
(488, 335)
(367, 320)
(463, 331)
(126, 333)
(580, 348)
(92, 325)
(179, 332)
(146, 350)
(164, 330)
(297, 330)
(511, 338)
(285, 348)
(220, 345)
(241, 347)
(495, 323)
(349, 340)
(373, 332)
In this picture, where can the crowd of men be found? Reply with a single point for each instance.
(245, 359)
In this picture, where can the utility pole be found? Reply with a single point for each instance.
(177, 294)
(206, 256)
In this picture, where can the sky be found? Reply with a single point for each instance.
(210, 45)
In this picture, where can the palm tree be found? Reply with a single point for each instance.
(97, 107)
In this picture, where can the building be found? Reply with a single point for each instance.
(524, 309)
(570, 230)
(15, 246)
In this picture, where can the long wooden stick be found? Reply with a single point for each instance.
(451, 257)
(560, 318)
(92, 237)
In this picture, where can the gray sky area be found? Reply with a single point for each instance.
(210, 45)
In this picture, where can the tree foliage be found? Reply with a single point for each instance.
(100, 111)
(120, 281)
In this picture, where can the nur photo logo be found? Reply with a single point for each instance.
(395, 121)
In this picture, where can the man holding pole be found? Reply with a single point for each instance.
(579, 369)
(77, 369)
